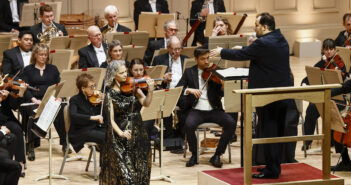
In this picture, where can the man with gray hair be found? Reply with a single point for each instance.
(111, 15)
(170, 28)
(94, 54)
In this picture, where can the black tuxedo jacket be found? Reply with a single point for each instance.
(144, 6)
(12, 62)
(6, 23)
(38, 29)
(190, 79)
(340, 40)
(120, 28)
(87, 56)
(151, 48)
(196, 7)
(80, 111)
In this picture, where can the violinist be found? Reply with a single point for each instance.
(86, 120)
(207, 109)
(330, 60)
(344, 37)
(115, 52)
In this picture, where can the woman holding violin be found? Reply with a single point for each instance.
(41, 75)
(126, 145)
(115, 52)
(84, 109)
(330, 60)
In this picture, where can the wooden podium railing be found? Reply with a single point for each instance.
(261, 97)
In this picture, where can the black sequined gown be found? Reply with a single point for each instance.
(125, 162)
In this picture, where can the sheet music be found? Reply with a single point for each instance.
(229, 72)
(48, 114)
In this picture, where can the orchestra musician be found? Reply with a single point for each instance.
(269, 67)
(197, 11)
(47, 20)
(10, 15)
(17, 58)
(86, 120)
(330, 60)
(221, 26)
(202, 103)
(94, 54)
(41, 75)
(344, 38)
(170, 28)
(115, 52)
(148, 6)
(111, 15)
(126, 155)
(175, 63)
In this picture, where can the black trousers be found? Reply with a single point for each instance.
(10, 171)
(272, 117)
(197, 117)
(17, 149)
(97, 135)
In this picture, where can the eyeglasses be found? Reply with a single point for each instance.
(177, 49)
(92, 87)
(172, 30)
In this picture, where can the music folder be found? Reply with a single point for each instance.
(232, 73)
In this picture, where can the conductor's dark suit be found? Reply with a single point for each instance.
(87, 56)
(120, 28)
(38, 29)
(6, 21)
(196, 117)
(144, 6)
(196, 7)
(269, 67)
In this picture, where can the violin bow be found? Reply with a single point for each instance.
(209, 77)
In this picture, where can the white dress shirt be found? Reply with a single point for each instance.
(100, 54)
(114, 28)
(211, 7)
(14, 10)
(26, 57)
(176, 71)
(153, 5)
(203, 103)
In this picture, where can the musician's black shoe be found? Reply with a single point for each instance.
(308, 146)
(23, 174)
(31, 155)
(216, 161)
(192, 161)
(260, 169)
(343, 166)
(264, 175)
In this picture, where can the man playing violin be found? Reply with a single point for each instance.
(202, 103)
(86, 120)
(344, 38)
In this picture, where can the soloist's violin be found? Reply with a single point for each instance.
(131, 84)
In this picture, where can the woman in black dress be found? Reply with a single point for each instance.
(126, 155)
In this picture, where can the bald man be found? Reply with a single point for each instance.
(94, 54)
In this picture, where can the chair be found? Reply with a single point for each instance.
(204, 127)
(91, 145)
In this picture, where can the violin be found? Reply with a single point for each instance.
(131, 84)
(96, 98)
(207, 74)
(344, 138)
(7, 83)
(335, 62)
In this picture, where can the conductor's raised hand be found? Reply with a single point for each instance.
(215, 52)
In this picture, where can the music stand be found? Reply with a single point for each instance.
(61, 58)
(132, 51)
(162, 105)
(47, 112)
(59, 43)
(153, 23)
(228, 41)
(156, 71)
(233, 18)
(123, 37)
(30, 12)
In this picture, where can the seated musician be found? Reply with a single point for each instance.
(344, 38)
(41, 75)
(345, 164)
(330, 60)
(175, 63)
(47, 20)
(115, 52)
(148, 6)
(94, 54)
(170, 28)
(86, 120)
(203, 104)
(8, 119)
(221, 26)
(111, 15)
(197, 11)
(17, 58)
(9, 168)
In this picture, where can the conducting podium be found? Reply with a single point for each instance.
(261, 97)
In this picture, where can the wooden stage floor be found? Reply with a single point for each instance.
(174, 164)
